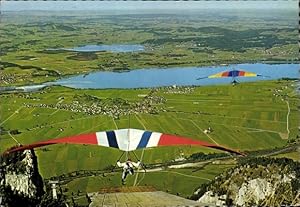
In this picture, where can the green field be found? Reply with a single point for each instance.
(180, 181)
(291, 155)
(244, 117)
(169, 41)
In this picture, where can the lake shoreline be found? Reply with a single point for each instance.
(114, 48)
(54, 78)
(85, 81)
(18, 89)
(180, 76)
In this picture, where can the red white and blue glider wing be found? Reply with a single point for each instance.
(126, 140)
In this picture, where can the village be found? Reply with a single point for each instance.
(150, 104)
(114, 108)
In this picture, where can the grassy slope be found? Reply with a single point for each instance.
(181, 181)
(291, 155)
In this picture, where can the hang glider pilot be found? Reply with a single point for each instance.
(128, 168)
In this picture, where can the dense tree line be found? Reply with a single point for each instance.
(202, 156)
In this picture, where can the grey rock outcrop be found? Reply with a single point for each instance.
(20, 182)
(260, 182)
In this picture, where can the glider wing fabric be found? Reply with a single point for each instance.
(233, 73)
(126, 140)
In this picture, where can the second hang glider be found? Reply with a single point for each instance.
(232, 74)
(126, 140)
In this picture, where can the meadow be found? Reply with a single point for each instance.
(246, 117)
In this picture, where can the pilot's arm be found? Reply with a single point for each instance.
(120, 164)
(136, 164)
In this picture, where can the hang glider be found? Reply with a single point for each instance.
(126, 140)
(232, 74)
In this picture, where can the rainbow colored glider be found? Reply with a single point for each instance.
(232, 74)
(125, 140)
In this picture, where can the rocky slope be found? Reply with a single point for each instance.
(20, 182)
(254, 182)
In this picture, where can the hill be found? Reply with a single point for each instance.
(254, 182)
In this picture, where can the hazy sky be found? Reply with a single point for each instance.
(136, 5)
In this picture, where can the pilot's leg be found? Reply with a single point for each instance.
(124, 174)
(131, 171)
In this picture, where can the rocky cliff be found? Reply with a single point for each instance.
(254, 182)
(20, 182)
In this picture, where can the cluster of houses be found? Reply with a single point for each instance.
(280, 92)
(7, 78)
(179, 89)
(149, 104)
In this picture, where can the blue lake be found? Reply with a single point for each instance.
(181, 76)
(110, 48)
